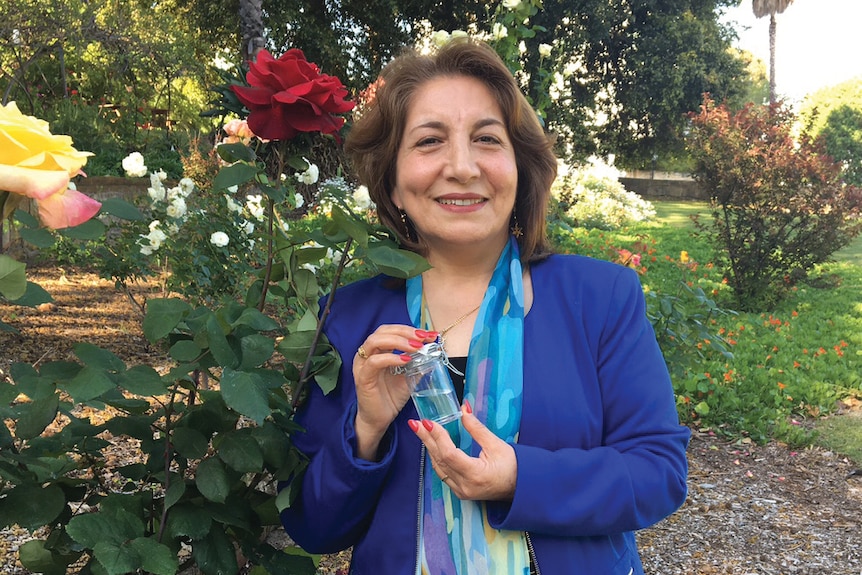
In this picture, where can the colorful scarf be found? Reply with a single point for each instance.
(455, 537)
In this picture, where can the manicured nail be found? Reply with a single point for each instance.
(415, 343)
(467, 407)
(413, 424)
(405, 357)
(433, 334)
(421, 333)
(428, 424)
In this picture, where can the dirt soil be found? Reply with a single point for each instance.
(751, 509)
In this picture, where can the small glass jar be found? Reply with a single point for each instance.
(430, 384)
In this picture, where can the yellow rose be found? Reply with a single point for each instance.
(38, 164)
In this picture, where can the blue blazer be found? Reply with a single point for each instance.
(600, 452)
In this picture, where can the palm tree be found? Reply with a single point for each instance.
(251, 28)
(771, 7)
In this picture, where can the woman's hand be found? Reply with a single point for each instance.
(489, 477)
(380, 395)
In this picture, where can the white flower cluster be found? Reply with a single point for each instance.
(310, 175)
(338, 191)
(172, 202)
(134, 166)
(597, 199)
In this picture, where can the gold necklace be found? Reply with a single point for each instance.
(457, 321)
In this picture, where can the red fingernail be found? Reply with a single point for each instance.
(405, 357)
(433, 334)
(467, 407)
(413, 424)
(421, 333)
(415, 343)
(428, 424)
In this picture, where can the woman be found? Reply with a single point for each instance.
(569, 439)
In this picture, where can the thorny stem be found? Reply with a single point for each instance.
(306, 367)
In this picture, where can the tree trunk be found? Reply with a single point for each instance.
(772, 96)
(251, 28)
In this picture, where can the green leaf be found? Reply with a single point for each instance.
(306, 284)
(175, 490)
(143, 380)
(397, 263)
(35, 416)
(155, 557)
(256, 320)
(122, 209)
(351, 226)
(246, 393)
(39, 237)
(212, 480)
(37, 559)
(295, 345)
(92, 229)
(33, 296)
(116, 527)
(236, 152)
(189, 521)
(185, 350)
(256, 349)
(241, 452)
(26, 219)
(163, 315)
(13, 278)
(88, 384)
(327, 377)
(32, 506)
(215, 554)
(702, 408)
(190, 443)
(98, 358)
(308, 321)
(219, 345)
(117, 559)
(234, 175)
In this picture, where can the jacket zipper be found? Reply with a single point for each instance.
(532, 553)
(419, 506)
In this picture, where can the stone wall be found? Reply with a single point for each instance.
(663, 186)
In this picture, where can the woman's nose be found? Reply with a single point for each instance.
(462, 164)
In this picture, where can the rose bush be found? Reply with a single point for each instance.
(290, 95)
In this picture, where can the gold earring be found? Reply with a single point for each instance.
(406, 225)
(516, 229)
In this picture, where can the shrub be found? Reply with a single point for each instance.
(593, 197)
(779, 206)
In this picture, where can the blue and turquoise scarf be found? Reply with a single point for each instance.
(456, 538)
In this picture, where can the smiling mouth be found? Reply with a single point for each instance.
(460, 202)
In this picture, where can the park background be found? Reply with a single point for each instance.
(620, 83)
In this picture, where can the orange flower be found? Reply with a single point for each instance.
(781, 385)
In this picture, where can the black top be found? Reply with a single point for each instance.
(459, 363)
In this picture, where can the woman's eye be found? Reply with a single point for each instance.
(427, 141)
(488, 139)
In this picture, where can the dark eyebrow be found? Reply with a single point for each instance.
(435, 125)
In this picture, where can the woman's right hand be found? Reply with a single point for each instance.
(380, 395)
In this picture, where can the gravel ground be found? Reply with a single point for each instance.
(766, 510)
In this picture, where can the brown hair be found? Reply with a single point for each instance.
(373, 141)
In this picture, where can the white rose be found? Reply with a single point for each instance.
(310, 175)
(459, 34)
(154, 225)
(544, 50)
(300, 201)
(219, 239)
(247, 228)
(157, 194)
(177, 208)
(232, 204)
(498, 31)
(187, 186)
(511, 4)
(440, 38)
(362, 198)
(147, 250)
(133, 164)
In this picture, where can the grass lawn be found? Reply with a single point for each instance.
(776, 349)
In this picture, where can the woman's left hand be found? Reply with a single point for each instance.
(489, 477)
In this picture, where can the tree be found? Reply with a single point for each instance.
(834, 114)
(780, 205)
(763, 8)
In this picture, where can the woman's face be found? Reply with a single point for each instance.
(456, 176)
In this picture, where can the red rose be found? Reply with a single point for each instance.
(290, 95)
